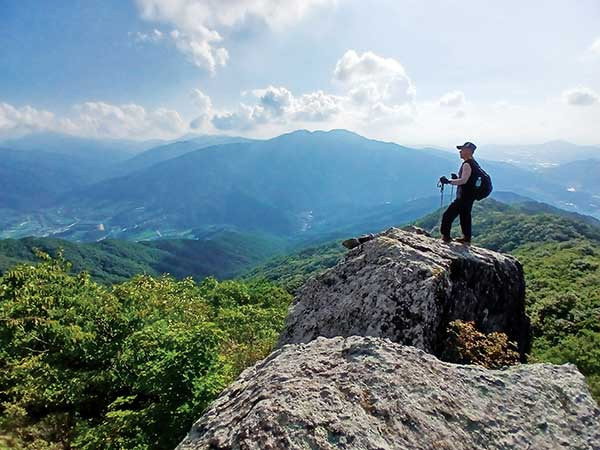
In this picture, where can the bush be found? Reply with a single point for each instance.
(466, 345)
(132, 366)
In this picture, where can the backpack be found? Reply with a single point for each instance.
(483, 183)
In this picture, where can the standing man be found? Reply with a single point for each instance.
(465, 195)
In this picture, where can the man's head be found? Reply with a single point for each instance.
(466, 150)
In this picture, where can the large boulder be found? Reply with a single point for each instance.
(371, 393)
(406, 286)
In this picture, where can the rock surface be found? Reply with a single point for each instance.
(406, 286)
(373, 394)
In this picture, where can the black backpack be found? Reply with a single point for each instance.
(483, 183)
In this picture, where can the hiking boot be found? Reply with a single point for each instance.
(446, 239)
(464, 241)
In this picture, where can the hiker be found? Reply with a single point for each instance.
(465, 195)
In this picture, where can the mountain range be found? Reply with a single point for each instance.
(299, 186)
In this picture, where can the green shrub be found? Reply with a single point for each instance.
(132, 366)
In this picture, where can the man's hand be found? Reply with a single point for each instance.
(444, 180)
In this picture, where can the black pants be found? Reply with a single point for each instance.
(459, 207)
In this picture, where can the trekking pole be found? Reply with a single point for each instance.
(441, 187)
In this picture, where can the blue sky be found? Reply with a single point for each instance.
(415, 72)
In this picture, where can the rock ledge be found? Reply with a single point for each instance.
(406, 286)
(371, 393)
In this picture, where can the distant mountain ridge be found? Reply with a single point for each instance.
(100, 150)
(173, 150)
(547, 154)
(301, 184)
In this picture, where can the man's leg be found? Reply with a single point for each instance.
(465, 218)
(450, 214)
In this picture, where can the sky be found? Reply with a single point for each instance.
(415, 72)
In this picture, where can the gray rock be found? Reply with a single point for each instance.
(406, 286)
(371, 393)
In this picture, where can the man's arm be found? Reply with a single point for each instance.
(466, 173)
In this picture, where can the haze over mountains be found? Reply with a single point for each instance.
(301, 185)
(548, 154)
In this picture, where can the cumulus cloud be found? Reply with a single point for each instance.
(93, 119)
(373, 89)
(26, 119)
(377, 89)
(372, 78)
(244, 118)
(199, 48)
(581, 96)
(102, 119)
(279, 105)
(199, 24)
(204, 105)
(317, 107)
(277, 101)
(453, 99)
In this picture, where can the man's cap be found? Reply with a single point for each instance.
(468, 145)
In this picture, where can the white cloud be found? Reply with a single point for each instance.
(199, 49)
(199, 23)
(277, 101)
(244, 118)
(317, 107)
(94, 119)
(279, 105)
(204, 105)
(392, 115)
(453, 99)
(154, 36)
(372, 79)
(581, 96)
(201, 101)
(374, 89)
(16, 121)
(100, 119)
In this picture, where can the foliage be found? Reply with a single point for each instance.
(466, 345)
(563, 301)
(293, 270)
(87, 366)
(222, 254)
(560, 254)
(504, 228)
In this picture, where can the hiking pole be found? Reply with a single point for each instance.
(454, 177)
(441, 187)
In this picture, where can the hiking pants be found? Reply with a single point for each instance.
(459, 207)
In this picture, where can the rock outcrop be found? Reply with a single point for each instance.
(371, 393)
(373, 383)
(406, 286)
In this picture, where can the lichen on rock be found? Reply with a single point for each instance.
(356, 365)
(371, 393)
(406, 286)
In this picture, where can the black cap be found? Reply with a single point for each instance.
(468, 145)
